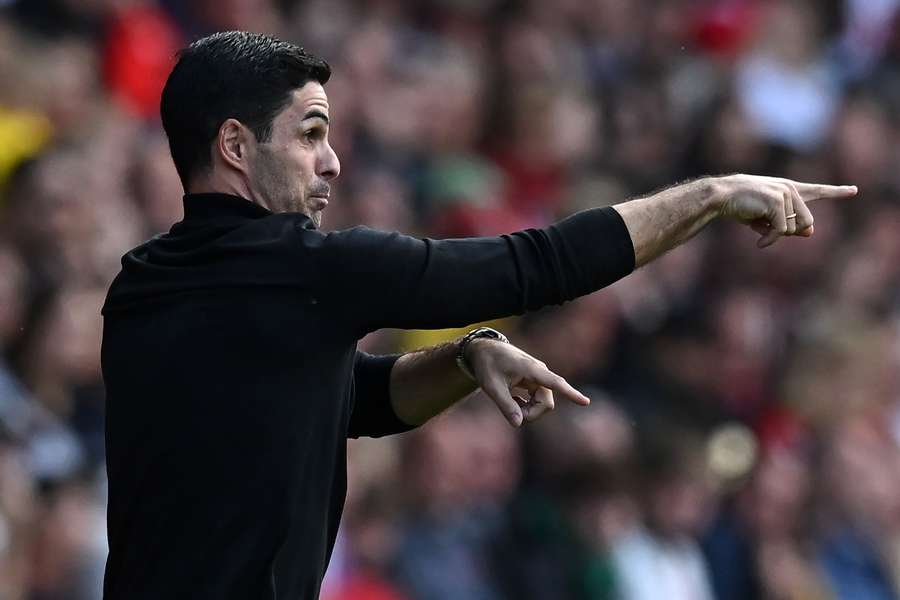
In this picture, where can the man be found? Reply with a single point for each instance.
(229, 348)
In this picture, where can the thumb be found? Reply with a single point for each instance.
(768, 239)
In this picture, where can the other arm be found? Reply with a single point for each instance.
(427, 382)
(396, 394)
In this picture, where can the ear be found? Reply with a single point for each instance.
(232, 144)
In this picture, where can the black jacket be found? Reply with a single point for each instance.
(233, 379)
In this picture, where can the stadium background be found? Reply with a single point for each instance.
(743, 442)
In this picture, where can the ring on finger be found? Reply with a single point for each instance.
(791, 216)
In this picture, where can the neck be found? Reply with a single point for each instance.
(233, 186)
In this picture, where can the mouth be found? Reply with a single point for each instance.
(319, 202)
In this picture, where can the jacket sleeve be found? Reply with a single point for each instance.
(372, 414)
(392, 280)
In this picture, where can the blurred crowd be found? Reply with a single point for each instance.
(744, 439)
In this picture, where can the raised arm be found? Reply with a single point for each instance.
(773, 207)
(376, 279)
(392, 280)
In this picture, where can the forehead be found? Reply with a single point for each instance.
(311, 97)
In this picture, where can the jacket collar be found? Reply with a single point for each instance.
(209, 205)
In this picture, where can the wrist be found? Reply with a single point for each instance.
(472, 339)
(472, 349)
(713, 193)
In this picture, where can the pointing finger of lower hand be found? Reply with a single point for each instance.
(498, 391)
(554, 382)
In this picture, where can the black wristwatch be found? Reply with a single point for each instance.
(481, 332)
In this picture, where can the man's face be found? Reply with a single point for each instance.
(291, 171)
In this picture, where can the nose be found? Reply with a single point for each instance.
(329, 166)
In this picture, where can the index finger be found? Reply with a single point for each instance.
(818, 191)
(549, 379)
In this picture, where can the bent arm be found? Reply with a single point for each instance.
(427, 382)
(395, 394)
(372, 414)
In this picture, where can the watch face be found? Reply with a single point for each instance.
(491, 333)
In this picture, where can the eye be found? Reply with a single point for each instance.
(313, 134)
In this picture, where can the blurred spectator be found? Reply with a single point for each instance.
(140, 51)
(65, 358)
(676, 506)
(47, 448)
(858, 550)
(785, 86)
(573, 504)
(454, 510)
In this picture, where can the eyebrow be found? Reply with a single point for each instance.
(316, 114)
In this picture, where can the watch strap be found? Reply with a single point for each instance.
(481, 332)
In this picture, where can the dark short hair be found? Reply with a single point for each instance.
(232, 74)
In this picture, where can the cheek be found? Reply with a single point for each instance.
(290, 165)
(302, 163)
